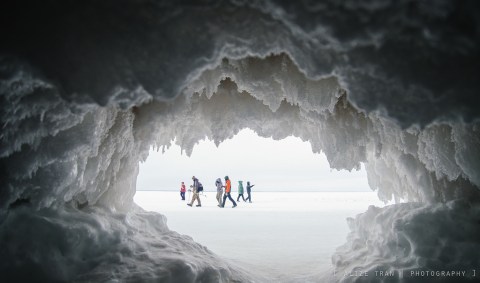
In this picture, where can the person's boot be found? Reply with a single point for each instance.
(234, 206)
(189, 204)
(198, 205)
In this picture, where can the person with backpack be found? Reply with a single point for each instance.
(219, 186)
(196, 188)
(240, 191)
(249, 190)
(182, 191)
(228, 189)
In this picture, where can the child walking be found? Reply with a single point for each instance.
(249, 190)
(182, 191)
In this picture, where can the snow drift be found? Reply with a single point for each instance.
(86, 88)
(412, 242)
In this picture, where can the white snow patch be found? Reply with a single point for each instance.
(286, 236)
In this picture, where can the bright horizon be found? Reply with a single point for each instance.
(285, 165)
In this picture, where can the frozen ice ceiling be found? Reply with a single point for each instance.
(385, 53)
(87, 86)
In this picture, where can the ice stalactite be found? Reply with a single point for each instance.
(91, 159)
(45, 137)
(67, 211)
(417, 164)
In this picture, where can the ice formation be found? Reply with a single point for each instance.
(87, 87)
(403, 240)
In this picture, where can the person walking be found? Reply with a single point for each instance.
(182, 191)
(249, 191)
(196, 193)
(228, 189)
(240, 191)
(219, 186)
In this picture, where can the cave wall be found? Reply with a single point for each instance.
(87, 87)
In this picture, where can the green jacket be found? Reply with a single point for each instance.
(240, 188)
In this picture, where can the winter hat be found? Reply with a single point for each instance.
(226, 177)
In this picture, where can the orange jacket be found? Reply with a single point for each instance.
(228, 186)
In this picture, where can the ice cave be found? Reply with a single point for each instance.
(87, 87)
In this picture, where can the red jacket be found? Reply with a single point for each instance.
(228, 186)
(183, 189)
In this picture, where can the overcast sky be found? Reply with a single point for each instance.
(286, 165)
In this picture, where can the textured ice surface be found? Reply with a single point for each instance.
(94, 245)
(86, 87)
(404, 238)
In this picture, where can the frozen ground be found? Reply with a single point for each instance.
(280, 233)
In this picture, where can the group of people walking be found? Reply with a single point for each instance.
(222, 196)
(240, 191)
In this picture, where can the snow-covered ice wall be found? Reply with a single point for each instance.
(86, 87)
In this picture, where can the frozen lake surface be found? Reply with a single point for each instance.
(279, 233)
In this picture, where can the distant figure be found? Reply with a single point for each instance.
(219, 186)
(228, 189)
(195, 188)
(240, 191)
(182, 191)
(249, 190)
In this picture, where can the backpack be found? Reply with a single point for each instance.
(200, 187)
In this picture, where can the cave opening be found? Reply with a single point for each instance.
(299, 210)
